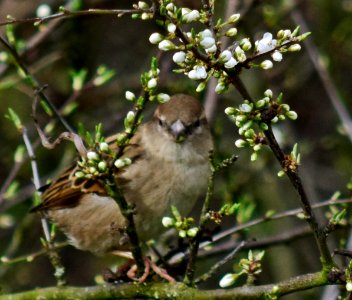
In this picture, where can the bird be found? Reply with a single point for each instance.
(170, 167)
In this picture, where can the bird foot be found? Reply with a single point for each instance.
(149, 264)
(126, 272)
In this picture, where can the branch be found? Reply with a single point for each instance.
(66, 13)
(176, 291)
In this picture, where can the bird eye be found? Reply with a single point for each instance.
(161, 123)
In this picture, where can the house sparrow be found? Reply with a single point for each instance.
(169, 167)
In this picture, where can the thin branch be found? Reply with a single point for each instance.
(66, 13)
(33, 82)
(195, 242)
(226, 233)
(219, 264)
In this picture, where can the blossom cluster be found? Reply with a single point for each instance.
(250, 267)
(264, 111)
(184, 226)
(199, 54)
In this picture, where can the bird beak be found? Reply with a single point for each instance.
(178, 131)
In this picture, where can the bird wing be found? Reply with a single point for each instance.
(67, 189)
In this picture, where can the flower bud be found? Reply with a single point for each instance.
(155, 38)
(130, 96)
(102, 166)
(171, 28)
(104, 147)
(292, 115)
(207, 42)
(227, 280)
(192, 232)
(225, 55)
(91, 155)
(166, 45)
(233, 19)
(231, 32)
(230, 110)
(79, 174)
(220, 88)
(246, 44)
(294, 47)
(167, 222)
(240, 143)
(231, 63)
(266, 64)
(142, 5)
(277, 56)
(179, 57)
(268, 93)
(130, 116)
(189, 16)
(43, 11)
(152, 83)
(162, 97)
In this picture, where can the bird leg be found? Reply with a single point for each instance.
(149, 264)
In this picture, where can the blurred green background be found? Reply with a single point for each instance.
(122, 44)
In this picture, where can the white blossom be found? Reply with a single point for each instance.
(170, 6)
(122, 162)
(267, 43)
(192, 231)
(130, 96)
(142, 5)
(225, 55)
(179, 57)
(198, 72)
(104, 147)
(162, 97)
(212, 49)
(152, 83)
(189, 16)
(205, 33)
(266, 64)
(166, 45)
(349, 286)
(220, 87)
(294, 47)
(245, 108)
(171, 27)
(246, 44)
(207, 42)
(43, 10)
(167, 222)
(230, 110)
(231, 63)
(227, 280)
(155, 38)
(241, 56)
(277, 55)
(91, 155)
(268, 93)
(102, 165)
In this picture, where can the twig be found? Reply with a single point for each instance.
(219, 264)
(33, 82)
(258, 221)
(52, 253)
(195, 242)
(66, 13)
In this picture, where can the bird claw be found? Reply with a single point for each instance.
(149, 265)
